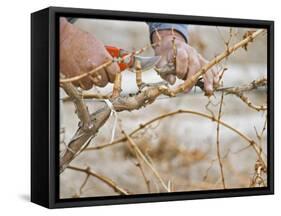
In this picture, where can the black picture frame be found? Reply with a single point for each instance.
(45, 107)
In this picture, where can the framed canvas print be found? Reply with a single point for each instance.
(138, 107)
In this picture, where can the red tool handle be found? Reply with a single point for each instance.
(116, 52)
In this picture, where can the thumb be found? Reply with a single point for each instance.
(170, 79)
(166, 71)
(166, 74)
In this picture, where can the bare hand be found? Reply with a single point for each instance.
(186, 59)
(81, 52)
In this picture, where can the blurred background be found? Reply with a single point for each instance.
(182, 147)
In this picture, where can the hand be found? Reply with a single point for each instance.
(187, 60)
(81, 52)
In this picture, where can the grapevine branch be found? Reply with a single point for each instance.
(84, 183)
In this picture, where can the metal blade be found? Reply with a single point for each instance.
(147, 62)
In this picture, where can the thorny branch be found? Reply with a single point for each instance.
(132, 102)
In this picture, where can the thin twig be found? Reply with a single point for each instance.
(139, 165)
(81, 108)
(218, 143)
(117, 85)
(143, 157)
(87, 96)
(138, 70)
(84, 183)
(239, 92)
(255, 84)
(104, 179)
(95, 70)
(141, 168)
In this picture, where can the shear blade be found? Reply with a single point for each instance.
(147, 62)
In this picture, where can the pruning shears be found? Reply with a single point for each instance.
(118, 54)
(146, 63)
